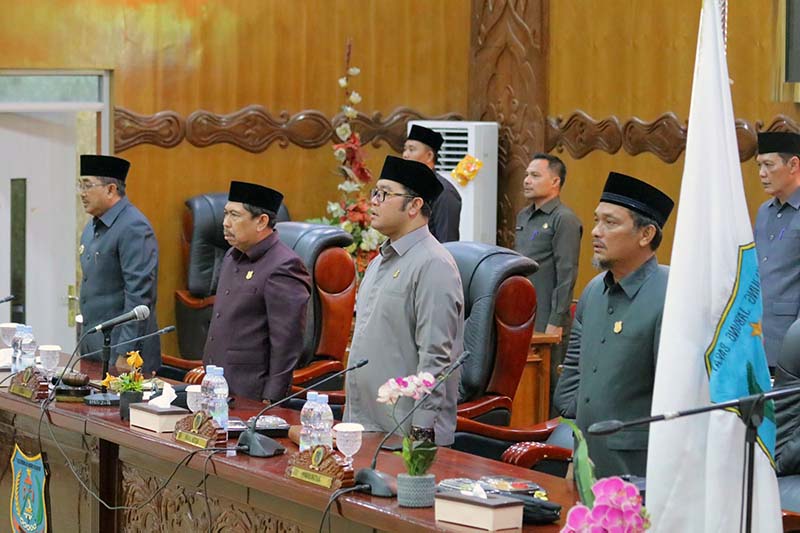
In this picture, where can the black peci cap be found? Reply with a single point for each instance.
(256, 195)
(637, 195)
(104, 166)
(414, 175)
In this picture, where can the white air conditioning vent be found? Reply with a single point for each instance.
(478, 197)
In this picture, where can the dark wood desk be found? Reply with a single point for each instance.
(246, 494)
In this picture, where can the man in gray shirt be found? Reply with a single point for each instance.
(410, 308)
(549, 232)
(777, 236)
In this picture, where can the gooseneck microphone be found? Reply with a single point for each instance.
(5, 299)
(140, 312)
(255, 444)
(162, 331)
(380, 483)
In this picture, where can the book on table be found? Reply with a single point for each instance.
(158, 419)
(492, 513)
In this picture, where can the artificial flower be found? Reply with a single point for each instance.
(349, 111)
(355, 98)
(343, 82)
(349, 186)
(109, 379)
(354, 71)
(340, 154)
(134, 360)
(344, 131)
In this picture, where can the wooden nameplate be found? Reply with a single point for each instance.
(322, 467)
(31, 384)
(201, 431)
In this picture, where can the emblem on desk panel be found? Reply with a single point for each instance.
(28, 492)
(249, 275)
(618, 326)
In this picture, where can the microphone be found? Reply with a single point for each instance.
(257, 445)
(606, 427)
(162, 331)
(140, 312)
(379, 483)
(5, 299)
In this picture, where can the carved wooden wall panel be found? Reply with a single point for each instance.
(254, 129)
(508, 66)
(180, 509)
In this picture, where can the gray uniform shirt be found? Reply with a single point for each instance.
(551, 236)
(409, 319)
(777, 237)
(610, 365)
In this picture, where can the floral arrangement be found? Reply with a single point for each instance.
(418, 455)
(609, 504)
(133, 380)
(351, 212)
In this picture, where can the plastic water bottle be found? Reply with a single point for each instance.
(16, 351)
(206, 388)
(219, 398)
(27, 347)
(325, 421)
(306, 421)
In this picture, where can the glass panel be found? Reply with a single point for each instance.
(49, 88)
(18, 222)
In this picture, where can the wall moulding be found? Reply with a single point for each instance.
(665, 137)
(253, 128)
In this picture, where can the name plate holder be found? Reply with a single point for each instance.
(321, 466)
(30, 384)
(201, 431)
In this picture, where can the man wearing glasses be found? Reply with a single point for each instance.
(410, 308)
(119, 260)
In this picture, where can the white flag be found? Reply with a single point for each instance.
(711, 347)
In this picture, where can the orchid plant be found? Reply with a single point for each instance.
(417, 455)
(351, 212)
(133, 380)
(610, 505)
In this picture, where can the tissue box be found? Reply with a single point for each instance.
(158, 419)
(493, 513)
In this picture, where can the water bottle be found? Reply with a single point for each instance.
(206, 388)
(219, 398)
(16, 351)
(27, 347)
(325, 421)
(306, 416)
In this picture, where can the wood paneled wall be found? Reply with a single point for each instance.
(185, 55)
(633, 58)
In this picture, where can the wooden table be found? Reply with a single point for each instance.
(126, 465)
(532, 401)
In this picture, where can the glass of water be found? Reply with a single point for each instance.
(49, 354)
(7, 332)
(348, 439)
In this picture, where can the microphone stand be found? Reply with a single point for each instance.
(380, 483)
(103, 397)
(752, 412)
(255, 444)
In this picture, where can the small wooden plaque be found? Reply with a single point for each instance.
(200, 430)
(321, 466)
(30, 384)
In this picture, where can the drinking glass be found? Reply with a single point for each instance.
(49, 354)
(348, 439)
(7, 332)
(193, 398)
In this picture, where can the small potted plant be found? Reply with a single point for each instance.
(415, 488)
(129, 384)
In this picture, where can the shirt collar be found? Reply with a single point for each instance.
(631, 283)
(794, 201)
(258, 250)
(111, 215)
(404, 243)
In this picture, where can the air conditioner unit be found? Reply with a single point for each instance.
(479, 196)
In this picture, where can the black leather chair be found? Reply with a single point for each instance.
(203, 247)
(787, 419)
(499, 311)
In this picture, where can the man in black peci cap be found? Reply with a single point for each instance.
(410, 309)
(610, 365)
(256, 331)
(423, 145)
(777, 236)
(119, 261)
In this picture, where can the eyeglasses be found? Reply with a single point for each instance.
(381, 194)
(83, 187)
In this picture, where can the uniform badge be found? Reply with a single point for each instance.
(80, 250)
(249, 275)
(396, 273)
(618, 326)
(545, 225)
